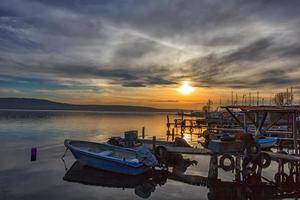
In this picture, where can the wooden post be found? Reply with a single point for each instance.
(173, 134)
(237, 168)
(234, 117)
(213, 167)
(295, 133)
(143, 133)
(154, 143)
(258, 131)
(257, 99)
(245, 124)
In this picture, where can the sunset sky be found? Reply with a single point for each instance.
(140, 52)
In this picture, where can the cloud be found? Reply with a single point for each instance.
(247, 67)
(134, 44)
(28, 83)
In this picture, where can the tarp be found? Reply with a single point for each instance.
(145, 156)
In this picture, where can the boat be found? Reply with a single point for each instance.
(266, 142)
(109, 157)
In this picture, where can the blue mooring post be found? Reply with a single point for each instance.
(33, 153)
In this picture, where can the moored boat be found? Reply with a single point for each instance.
(266, 142)
(109, 157)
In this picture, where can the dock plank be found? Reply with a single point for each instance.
(171, 148)
(189, 150)
(278, 156)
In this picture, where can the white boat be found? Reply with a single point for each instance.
(109, 157)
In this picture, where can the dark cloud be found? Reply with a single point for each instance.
(220, 70)
(139, 43)
(255, 50)
(135, 49)
(28, 83)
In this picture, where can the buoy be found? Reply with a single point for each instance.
(33, 153)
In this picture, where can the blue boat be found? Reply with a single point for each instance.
(106, 157)
(267, 142)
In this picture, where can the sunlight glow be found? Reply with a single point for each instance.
(186, 88)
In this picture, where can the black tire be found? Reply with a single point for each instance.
(263, 160)
(225, 167)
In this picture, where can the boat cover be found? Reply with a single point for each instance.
(266, 140)
(145, 156)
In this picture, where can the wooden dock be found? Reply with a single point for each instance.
(172, 148)
(189, 150)
(279, 156)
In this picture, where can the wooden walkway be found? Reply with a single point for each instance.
(279, 156)
(171, 148)
(189, 150)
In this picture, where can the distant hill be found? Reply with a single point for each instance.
(42, 104)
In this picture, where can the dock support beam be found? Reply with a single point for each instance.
(281, 115)
(295, 133)
(238, 169)
(173, 134)
(261, 124)
(213, 168)
(143, 133)
(234, 117)
(154, 143)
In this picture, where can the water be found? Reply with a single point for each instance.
(21, 130)
(47, 178)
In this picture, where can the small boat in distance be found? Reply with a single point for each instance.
(108, 157)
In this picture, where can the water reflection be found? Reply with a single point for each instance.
(144, 185)
(28, 128)
(258, 190)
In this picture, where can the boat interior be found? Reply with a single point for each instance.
(105, 150)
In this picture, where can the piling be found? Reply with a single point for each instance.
(154, 143)
(238, 169)
(143, 132)
(173, 134)
(295, 133)
(213, 168)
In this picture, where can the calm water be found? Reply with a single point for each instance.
(47, 179)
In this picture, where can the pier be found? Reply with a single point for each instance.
(258, 121)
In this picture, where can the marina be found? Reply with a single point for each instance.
(160, 99)
(246, 153)
(215, 168)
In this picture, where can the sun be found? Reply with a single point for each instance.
(185, 88)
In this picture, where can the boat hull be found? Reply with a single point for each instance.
(267, 142)
(105, 163)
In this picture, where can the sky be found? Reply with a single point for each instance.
(139, 52)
